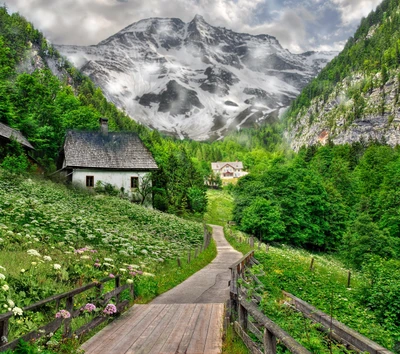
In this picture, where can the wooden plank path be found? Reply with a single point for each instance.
(162, 329)
(187, 319)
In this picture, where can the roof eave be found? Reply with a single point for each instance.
(112, 168)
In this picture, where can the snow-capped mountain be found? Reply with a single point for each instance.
(195, 80)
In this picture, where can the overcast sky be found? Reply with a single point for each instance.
(299, 25)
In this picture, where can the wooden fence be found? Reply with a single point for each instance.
(335, 329)
(267, 332)
(51, 327)
(262, 327)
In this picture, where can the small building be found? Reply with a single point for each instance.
(7, 134)
(228, 169)
(116, 158)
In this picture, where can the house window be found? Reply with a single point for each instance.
(134, 182)
(89, 181)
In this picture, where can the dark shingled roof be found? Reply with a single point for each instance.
(119, 151)
(8, 133)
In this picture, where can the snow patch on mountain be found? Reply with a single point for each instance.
(193, 79)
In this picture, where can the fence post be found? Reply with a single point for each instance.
(3, 331)
(117, 285)
(189, 256)
(242, 316)
(348, 279)
(69, 306)
(132, 291)
(312, 264)
(179, 262)
(269, 342)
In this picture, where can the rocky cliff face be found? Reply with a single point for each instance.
(195, 80)
(374, 115)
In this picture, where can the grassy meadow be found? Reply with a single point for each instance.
(54, 239)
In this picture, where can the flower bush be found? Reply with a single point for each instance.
(110, 309)
(63, 314)
(54, 239)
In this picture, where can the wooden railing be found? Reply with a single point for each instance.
(263, 328)
(267, 332)
(335, 329)
(51, 327)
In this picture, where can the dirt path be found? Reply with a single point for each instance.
(210, 284)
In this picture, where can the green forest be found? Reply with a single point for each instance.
(43, 107)
(338, 199)
(374, 49)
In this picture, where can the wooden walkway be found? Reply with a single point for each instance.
(162, 329)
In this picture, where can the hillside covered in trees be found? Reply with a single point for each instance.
(43, 96)
(356, 96)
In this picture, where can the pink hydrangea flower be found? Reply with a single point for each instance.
(89, 307)
(63, 314)
(111, 275)
(110, 309)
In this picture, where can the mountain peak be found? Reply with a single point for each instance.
(193, 79)
(198, 18)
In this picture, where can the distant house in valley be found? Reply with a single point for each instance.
(228, 169)
(7, 134)
(116, 158)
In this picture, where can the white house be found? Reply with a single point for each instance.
(228, 169)
(117, 158)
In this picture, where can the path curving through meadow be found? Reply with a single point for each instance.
(210, 284)
(186, 319)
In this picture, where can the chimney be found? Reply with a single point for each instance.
(104, 126)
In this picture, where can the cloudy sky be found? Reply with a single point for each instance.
(299, 25)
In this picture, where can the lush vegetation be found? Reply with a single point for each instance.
(326, 198)
(43, 104)
(373, 49)
(341, 199)
(219, 209)
(325, 287)
(54, 238)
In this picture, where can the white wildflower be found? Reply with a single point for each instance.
(129, 281)
(11, 303)
(108, 259)
(33, 253)
(56, 266)
(2, 276)
(47, 258)
(148, 274)
(5, 287)
(17, 311)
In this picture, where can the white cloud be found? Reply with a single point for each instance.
(294, 23)
(353, 10)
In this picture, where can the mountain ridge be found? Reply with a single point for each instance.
(193, 79)
(355, 98)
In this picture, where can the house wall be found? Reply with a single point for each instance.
(236, 173)
(116, 178)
